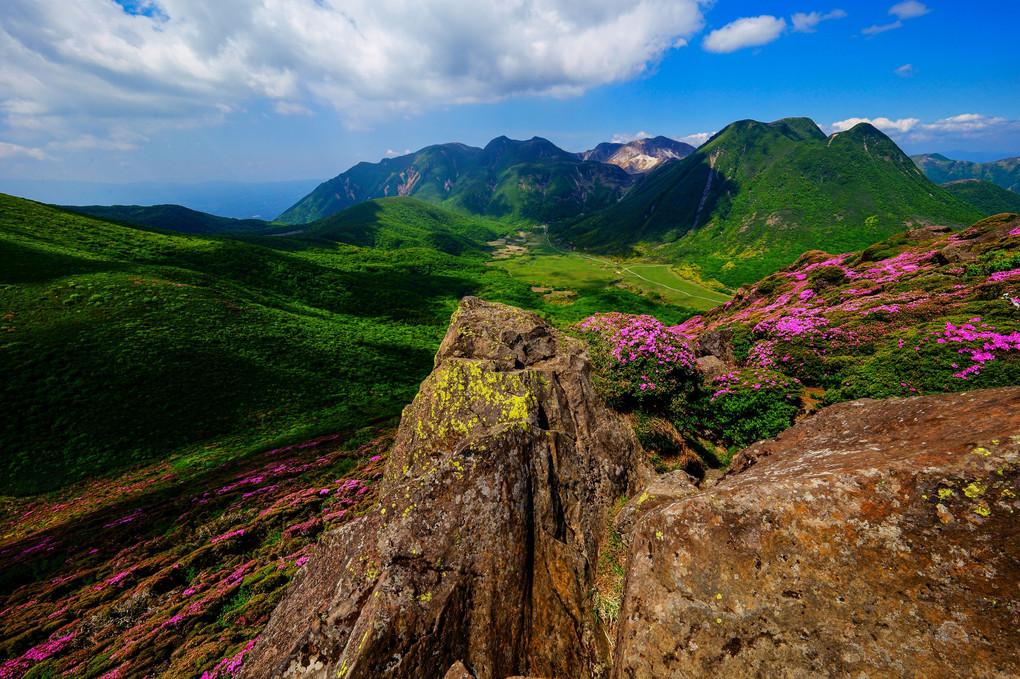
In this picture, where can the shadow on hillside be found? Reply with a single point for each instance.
(20, 264)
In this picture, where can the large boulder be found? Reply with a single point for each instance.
(877, 539)
(480, 557)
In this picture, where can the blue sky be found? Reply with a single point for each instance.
(249, 90)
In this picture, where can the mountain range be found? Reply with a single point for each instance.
(1005, 172)
(757, 195)
(531, 179)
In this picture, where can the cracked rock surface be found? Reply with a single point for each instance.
(876, 539)
(480, 557)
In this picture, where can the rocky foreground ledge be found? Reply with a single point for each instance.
(479, 559)
(876, 539)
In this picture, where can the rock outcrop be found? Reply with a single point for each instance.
(480, 557)
(876, 539)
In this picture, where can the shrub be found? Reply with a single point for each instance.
(640, 363)
(749, 405)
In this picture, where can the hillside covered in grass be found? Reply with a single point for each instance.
(175, 218)
(754, 197)
(984, 195)
(121, 345)
(172, 569)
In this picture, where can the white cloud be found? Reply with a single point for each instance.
(745, 32)
(390, 153)
(627, 138)
(88, 67)
(289, 108)
(903, 10)
(905, 71)
(805, 23)
(696, 139)
(885, 124)
(908, 9)
(875, 30)
(8, 150)
(965, 128)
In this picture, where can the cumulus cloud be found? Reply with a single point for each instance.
(95, 66)
(8, 150)
(903, 10)
(696, 139)
(905, 71)
(963, 128)
(908, 9)
(805, 23)
(885, 124)
(627, 138)
(745, 32)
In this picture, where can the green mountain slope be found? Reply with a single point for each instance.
(395, 223)
(984, 195)
(175, 218)
(121, 344)
(939, 169)
(757, 195)
(531, 179)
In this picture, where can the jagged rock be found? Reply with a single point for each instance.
(717, 342)
(877, 539)
(927, 232)
(665, 488)
(482, 549)
(963, 251)
(712, 367)
(458, 671)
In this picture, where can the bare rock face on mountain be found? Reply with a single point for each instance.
(640, 155)
(480, 556)
(876, 539)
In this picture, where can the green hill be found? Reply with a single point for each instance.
(990, 198)
(122, 344)
(507, 179)
(175, 218)
(939, 169)
(757, 195)
(396, 223)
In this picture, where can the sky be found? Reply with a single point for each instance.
(271, 90)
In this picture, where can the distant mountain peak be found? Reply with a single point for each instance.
(640, 155)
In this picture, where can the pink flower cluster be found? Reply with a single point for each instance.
(225, 536)
(990, 341)
(18, 666)
(228, 667)
(632, 338)
(736, 380)
(1003, 276)
(644, 339)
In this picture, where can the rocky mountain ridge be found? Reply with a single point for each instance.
(641, 155)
